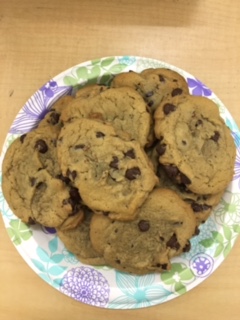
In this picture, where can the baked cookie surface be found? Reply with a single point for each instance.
(161, 230)
(154, 85)
(123, 108)
(112, 175)
(195, 146)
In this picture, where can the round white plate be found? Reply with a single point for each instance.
(102, 286)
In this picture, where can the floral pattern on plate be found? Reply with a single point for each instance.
(102, 286)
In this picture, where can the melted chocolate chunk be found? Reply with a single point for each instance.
(133, 173)
(64, 179)
(71, 174)
(100, 134)
(168, 108)
(161, 148)
(184, 179)
(149, 94)
(41, 146)
(118, 261)
(173, 242)
(130, 153)
(150, 103)
(23, 137)
(32, 181)
(177, 92)
(54, 118)
(161, 78)
(216, 136)
(187, 247)
(143, 225)
(172, 171)
(79, 146)
(198, 123)
(200, 207)
(114, 163)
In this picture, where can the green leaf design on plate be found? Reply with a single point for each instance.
(107, 62)
(18, 231)
(207, 243)
(70, 81)
(178, 277)
(218, 237)
(106, 79)
(236, 228)
(82, 73)
(227, 232)
(117, 68)
(218, 250)
(96, 61)
(95, 72)
(227, 249)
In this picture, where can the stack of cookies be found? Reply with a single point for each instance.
(126, 173)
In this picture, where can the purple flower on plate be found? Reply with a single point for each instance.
(48, 230)
(49, 88)
(198, 88)
(201, 264)
(87, 285)
(37, 106)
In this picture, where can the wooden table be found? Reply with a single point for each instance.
(38, 40)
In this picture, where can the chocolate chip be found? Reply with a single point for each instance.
(41, 186)
(177, 92)
(197, 231)
(31, 221)
(100, 134)
(64, 179)
(150, 103)
(132, 173)
(54, 118)
(198, 123)
(114, 163)
(32, 181)
(118, 261)
(184, 179)
(187, 247)
(149, 94)
(74, 200)
(197, 207)
(161, 148)
(172, 171)
(130, 153)
(168, 108)
(173, 242)
(161, 78)
(216, 136)
(41, 146)
(79, 146)
(71, 174)
(143, 225)
(23, 137)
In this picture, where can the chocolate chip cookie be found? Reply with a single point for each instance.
(123, 108)
(78, 242)
(33, 184)
(160, 231)
(154, 85)
(112, 175)
(90, 91)
(195, 145)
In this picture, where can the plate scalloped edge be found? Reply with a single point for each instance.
(103, 286)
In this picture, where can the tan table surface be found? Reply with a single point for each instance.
(38, 40)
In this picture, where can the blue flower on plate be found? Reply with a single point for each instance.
(198, 88)
(138, 291)
(87, 285)
(128, 60)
